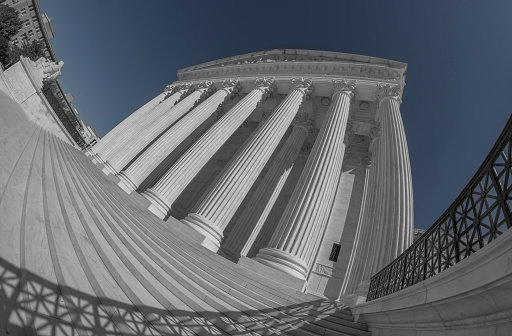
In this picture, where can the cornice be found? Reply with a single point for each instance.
(377, 72)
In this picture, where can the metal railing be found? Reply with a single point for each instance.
(479, 215)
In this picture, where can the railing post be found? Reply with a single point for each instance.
(500, 195)
(455, 236)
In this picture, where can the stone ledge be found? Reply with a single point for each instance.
(471, 295)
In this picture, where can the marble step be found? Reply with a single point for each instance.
(95, 211)
(224, 307)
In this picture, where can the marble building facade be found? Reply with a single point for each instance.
(294, 161)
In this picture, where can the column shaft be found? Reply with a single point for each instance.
(142, 167)
(394, 219)
(256, 212)
(108, 140)
(139, 141)
(137, 125)
(305, 217)
(172, 184)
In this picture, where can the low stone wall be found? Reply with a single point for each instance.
(473, 297)
(21, 83)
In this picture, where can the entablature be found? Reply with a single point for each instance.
(366, 90)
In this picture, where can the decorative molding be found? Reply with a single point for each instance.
(303, 84)
(328, 271)
(207, 85)
(389, 91)
(292, 64)
(305, 120)
(232, 86)
(343, 86)
(325, 101)
(267, 86)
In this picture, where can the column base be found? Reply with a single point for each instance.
(283, 261)
(158, 206)
(359, 296)
(228, 254)
(206, 228)
(108, 169)
(125, 183)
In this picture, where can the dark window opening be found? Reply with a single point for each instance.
(335, 252)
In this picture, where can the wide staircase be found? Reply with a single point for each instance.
(78, 256)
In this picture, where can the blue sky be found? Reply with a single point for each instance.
(119, 54)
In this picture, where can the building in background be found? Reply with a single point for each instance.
(36, 26)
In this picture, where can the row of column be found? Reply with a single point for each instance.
(170, 121)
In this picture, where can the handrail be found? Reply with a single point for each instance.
(478, 215)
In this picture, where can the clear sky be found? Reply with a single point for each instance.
(119, 54)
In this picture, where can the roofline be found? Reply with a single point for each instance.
(316, 53)
(47, 40)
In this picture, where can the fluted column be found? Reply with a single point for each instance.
(142, 167)
(365, 229)
(172, 184)
(306, 215)
(211, 216)
(393, 220)
(140, 140)
(253, 217)
(116, 139)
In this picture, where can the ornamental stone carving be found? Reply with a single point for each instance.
(344, 86)
(267, 86)
(305, 120)
(389, 91)
(232, 86)
(303, 84)
(374, 131)
(328, 271)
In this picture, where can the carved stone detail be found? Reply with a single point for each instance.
(374, 131)
(232, 86)
(389, 91)
(367, 159)
(328, 271)
(344, 86)
(267, 86)
(305, 120)
(278, 63)
(303, 84)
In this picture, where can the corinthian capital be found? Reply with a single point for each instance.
(266, 85)
(305, 120)
(205, 85)
(186, 87)
(343, 86)
(170, 89)
(303, 84)
(232, 86)
(385, 91)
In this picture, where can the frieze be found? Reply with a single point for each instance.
(328, 271)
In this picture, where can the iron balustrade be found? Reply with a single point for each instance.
(478, 216)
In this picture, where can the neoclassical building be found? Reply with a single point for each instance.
(262, 194)
(292, 159)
